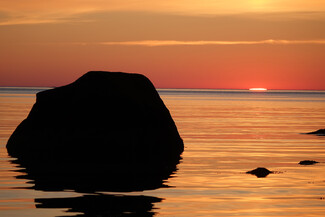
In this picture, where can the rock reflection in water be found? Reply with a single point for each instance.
(103, 205)
(90, 178)
(94, 178)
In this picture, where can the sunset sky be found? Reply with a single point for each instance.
(276, 44)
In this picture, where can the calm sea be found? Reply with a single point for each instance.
(226, 133)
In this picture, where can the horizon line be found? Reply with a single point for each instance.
(170, 88)
(155, 43)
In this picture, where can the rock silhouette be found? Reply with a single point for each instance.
(308, 162)
(109, 125)
(260, 172)
(320, 132)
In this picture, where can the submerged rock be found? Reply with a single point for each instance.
(260, 172)
(320, 132)
(108, 123)
(308, 162)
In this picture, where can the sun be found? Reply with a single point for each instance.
(258, 89)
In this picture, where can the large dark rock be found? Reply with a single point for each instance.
(108, 123)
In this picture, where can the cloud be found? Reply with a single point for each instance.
(154, 43)
(27, 18)
(43, 11)
(176, 6)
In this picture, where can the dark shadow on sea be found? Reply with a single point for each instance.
(103, 205)
(93, 181)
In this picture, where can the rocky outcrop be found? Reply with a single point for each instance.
(320, 132)
(260, 172)
(308, 162)
(104, 122)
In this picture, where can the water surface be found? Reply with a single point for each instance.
(226, 133)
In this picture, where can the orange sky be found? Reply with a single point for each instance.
(277, 44)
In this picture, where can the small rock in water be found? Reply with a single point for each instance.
(260, 172)
(320, 132)
(308, 162)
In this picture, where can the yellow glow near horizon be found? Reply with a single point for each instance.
(258, 89)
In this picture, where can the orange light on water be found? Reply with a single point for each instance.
(258, 89)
